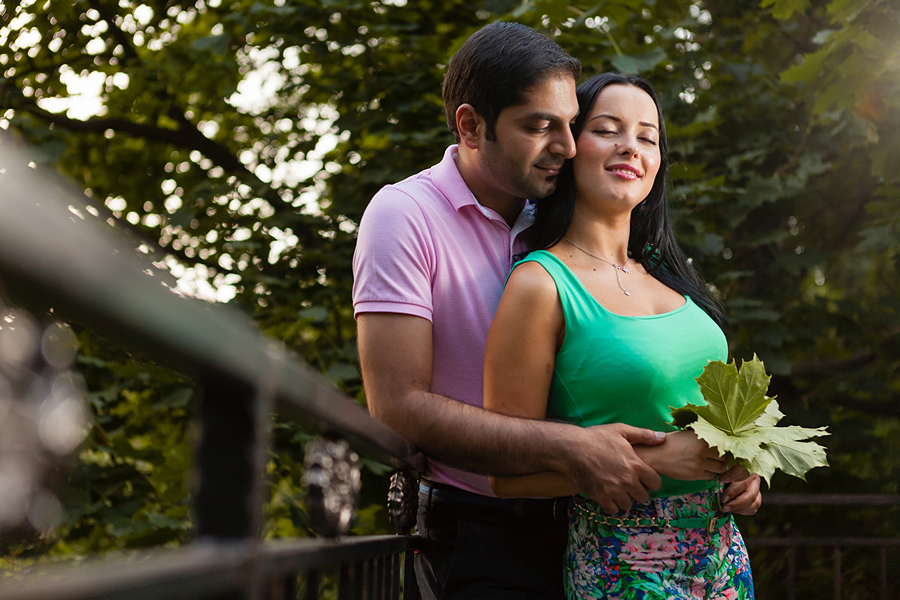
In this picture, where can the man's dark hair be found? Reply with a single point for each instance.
(497, 66)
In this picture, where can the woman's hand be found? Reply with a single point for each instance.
(742, 497)
(683, 456)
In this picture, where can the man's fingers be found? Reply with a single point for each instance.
(650, 480)
(622, 478)
(639, 494)
(638, 435)
(608, 505)
(622, 496)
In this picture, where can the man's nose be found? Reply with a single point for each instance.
(564, 144)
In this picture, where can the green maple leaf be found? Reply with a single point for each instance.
(734, 399)
(741, 422)
(794, 457)
(743, 448)
(771, 416)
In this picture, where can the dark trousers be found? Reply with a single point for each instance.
(478, 547)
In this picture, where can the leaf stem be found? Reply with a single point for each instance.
(613, 41)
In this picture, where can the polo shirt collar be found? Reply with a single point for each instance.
(447, 179)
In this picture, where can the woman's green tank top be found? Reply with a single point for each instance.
(617, 369)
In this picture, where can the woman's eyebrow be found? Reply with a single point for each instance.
(618, 120)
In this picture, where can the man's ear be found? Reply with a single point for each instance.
(471, 126)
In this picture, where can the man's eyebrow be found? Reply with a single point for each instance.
(618, 120)
(542, 116)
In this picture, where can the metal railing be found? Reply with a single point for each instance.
(54, 256)
(793, 546)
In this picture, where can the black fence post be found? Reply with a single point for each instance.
(410, 587)
(225, 461)
(228, 506)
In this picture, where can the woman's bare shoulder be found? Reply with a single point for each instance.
(532, 281)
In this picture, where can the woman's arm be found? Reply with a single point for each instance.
(683, 456)
(549, 484)
(520, 352)
(518, 366)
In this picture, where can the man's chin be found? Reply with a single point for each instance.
(542, 191)
(535, 188)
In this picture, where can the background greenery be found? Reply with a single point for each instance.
(784, 125)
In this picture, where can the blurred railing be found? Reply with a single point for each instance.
(879, 550)
(55, 256)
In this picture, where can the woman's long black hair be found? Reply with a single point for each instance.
(652, 241)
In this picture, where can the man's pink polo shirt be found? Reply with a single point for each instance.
(427, 248)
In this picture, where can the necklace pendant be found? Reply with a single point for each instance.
(614, 265)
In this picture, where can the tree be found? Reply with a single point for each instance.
(784, 128)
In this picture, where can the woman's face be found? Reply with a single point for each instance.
(617, 154)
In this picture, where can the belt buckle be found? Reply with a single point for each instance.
(711, 520)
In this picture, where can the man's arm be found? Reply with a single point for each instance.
(396, 357)
(396, 354)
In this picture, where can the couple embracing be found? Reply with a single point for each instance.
(533, 272)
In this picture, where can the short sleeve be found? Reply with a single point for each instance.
(393, 264)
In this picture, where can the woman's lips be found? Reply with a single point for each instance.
(624, 171)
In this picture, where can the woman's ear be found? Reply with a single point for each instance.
(471, 126)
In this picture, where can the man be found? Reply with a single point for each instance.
(433, 254)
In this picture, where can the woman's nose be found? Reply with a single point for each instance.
(628, 148)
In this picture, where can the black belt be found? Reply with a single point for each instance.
(529, 507)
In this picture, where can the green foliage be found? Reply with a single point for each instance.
(784, 140)
(130, 485)
(784, 9)
(740, 421)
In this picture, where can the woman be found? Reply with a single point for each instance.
(608, 322)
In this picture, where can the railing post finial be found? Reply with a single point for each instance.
(332, 480)
(403, 501)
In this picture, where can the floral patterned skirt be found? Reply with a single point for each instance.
(640, 556)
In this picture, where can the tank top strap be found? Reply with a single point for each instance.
(574, 297)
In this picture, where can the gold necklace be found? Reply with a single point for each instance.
(618, 267)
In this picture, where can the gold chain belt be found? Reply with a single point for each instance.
(710, 522)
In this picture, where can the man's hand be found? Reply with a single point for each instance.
(742, 497)
(603, 464)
